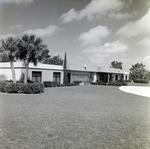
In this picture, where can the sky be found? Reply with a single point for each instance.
(91, 32)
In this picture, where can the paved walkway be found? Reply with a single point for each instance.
(138, 90)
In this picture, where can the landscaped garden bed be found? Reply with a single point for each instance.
(26, 88)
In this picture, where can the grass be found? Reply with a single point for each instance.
(80, 117)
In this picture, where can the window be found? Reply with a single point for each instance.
(36, 76)
(56, 77)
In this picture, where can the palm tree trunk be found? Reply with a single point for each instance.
(13, 71)
(26, 72)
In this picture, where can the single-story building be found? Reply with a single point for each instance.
(75, 72)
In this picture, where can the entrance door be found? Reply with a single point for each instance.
(68, 76)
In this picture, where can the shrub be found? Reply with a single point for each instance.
(140, 81)
(2, 86)
(118, 83)
(31, 88)
(69, 84)
(36, 87)
(26, 88)
(75, 83)
(97, 83)
(2, 77)
(11, 88)
(50, 83)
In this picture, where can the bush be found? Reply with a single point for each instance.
(97, 83)
(2, 86)
(69, 84)
(31, 88)
(118, 83)
(141, 81)
(50, 84)
(75, 83)
(2, 77)
(11, 87)
(26, 88)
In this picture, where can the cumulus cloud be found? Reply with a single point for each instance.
(94, 8)
(7, 35)
(106, 52)
(145, 42)
(94, 35)
(48, 31)
(138, 27)
(18, 2)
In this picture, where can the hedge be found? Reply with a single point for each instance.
(76, 83)
(26, 88)
(118, 83)
(140, 81)
(50, 83)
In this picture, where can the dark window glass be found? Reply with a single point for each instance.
(36, 76)
(56, 77)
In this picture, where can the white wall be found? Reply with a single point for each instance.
(8, 74)
(47, 75)
(80, 76)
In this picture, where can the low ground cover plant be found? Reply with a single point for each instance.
(26, 88)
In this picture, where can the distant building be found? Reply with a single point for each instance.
(75, 72)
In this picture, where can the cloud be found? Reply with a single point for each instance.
(93, 9)
(48, 31)
(94, 35)
(138, 27)
(16, 27)
(18, 2)
(106, 52)
(145, 42)
(6, 36)
(147, 58)
(119, 15)
(146, 61)
(79, 57)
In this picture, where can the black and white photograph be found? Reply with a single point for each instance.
(74, 74)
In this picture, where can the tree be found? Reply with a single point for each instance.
(55, 60)
(65, 80)
(3, 57)
(116, 64)
(138, 72)
(8, 52)
(31, 50)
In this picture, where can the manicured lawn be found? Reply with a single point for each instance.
(80, 117)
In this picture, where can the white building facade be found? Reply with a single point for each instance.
(75, 72)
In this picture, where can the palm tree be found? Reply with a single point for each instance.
(30, 50)
(8, 50)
